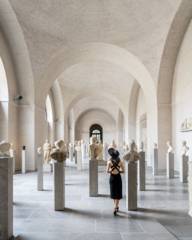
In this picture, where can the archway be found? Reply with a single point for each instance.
(96, 131)
(117, 56)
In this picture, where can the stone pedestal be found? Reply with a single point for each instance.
(79, 160)
(170, 165)
(6, 198)
(71, 153)
(184, 169)
(59, 186)
(190, 188)
(142, 170)
(23, 160)
(93, 178)
(75, 156)
(155, 162)
(131, 186)
(40, 173)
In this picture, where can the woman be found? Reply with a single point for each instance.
(115, 167)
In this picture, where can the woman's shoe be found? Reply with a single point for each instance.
(115, 212)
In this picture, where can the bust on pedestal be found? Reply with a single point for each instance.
(6, 192)
(79, 156)
(170, 161)
(47, 153)
(59, 154)
(23, 157)
(142, 168)
(184, 163)
(93, 167)
(39, 169)
(155, 160)
(131, 177)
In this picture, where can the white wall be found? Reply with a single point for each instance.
(96, 116)
(182, 94)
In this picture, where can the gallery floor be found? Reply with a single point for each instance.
(162, 213)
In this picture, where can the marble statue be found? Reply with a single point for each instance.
(170, 148)
(155, 146)
(185, 149)
(100, 151)
(133, 155)
(142, 147)
(59, 153)
(5, 149)
(93, 149)
(125, 148)
(47, 151)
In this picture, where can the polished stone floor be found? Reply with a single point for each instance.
(162, 213)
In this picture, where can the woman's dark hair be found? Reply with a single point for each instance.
(114, 154)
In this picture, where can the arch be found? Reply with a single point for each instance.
(166, 73)
(132, 109)
(108, 125)
(84, 95)
(99, 51)
(12, 31)
(97, 131)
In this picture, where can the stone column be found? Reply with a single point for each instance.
(190, 188)
(142, 170)
(170, 165)
(59, 186)
(71, 153)
(39, 172)
(155, 162)
(12, 155)
(184, 168)
(23, 158)
(93, 178)
(131, 186)
(6, 198)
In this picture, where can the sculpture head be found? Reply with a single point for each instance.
(93, 140)
(133, 146)
(184, 143)
(4, 148)
(60, 144)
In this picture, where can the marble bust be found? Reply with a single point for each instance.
(185, 149)
(142, 147)
(5, 149)
(93, 149)
(170, 148)
(59, 153)
(47, 152)
(133, 155)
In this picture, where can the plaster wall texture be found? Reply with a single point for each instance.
(100, 117)
(181, 96)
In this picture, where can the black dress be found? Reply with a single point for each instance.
(115, 182)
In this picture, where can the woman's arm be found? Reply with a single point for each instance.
(108, 167)
(122, 166)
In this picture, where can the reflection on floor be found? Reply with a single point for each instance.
(162, 213)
